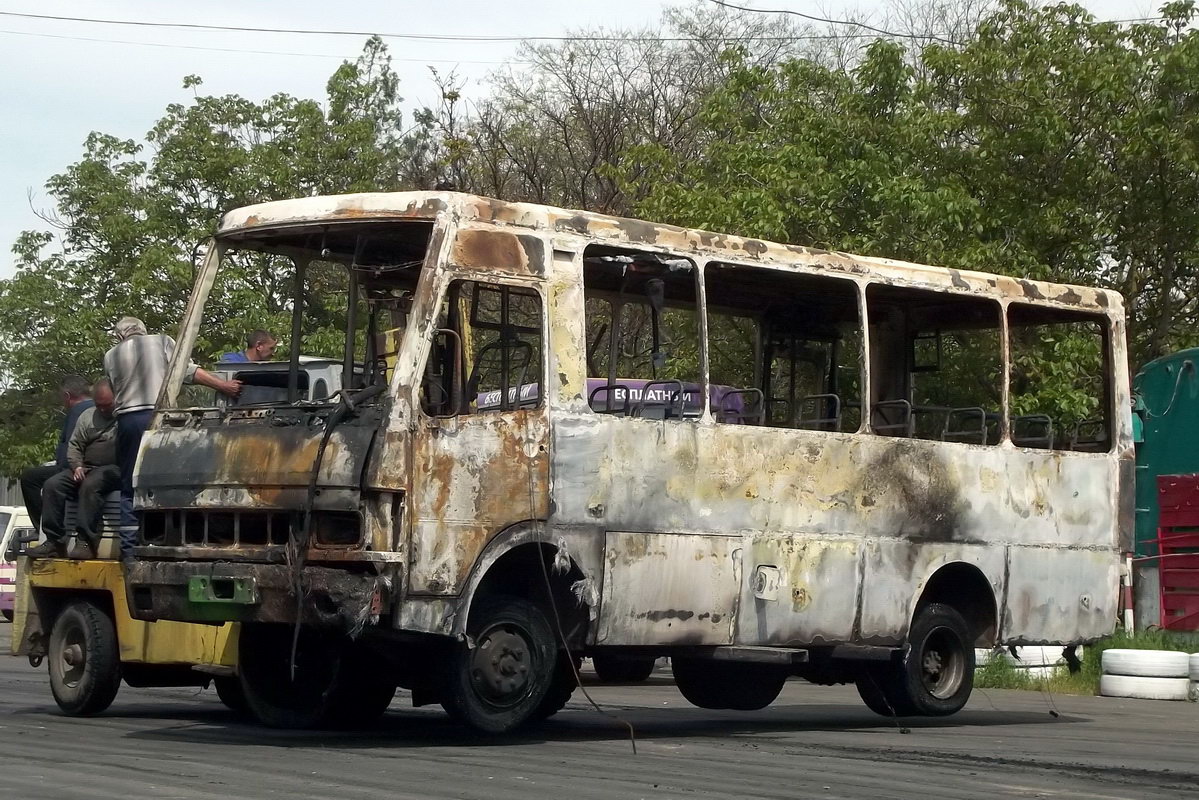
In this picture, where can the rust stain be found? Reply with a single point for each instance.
(499, 251)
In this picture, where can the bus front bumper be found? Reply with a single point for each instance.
(213, 592)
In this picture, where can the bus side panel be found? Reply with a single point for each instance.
(669, 589)
(896, 571)
(1059, 596)
(799, 589)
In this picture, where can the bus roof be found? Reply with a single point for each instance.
(618, 231)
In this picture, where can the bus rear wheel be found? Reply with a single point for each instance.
(84, 660)
(503, 678)
(936, 676)
(727, 685)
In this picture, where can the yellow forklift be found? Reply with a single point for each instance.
(74, 615)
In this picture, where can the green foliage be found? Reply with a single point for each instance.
(131, 217)
(1046, 145)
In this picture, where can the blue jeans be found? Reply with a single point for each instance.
(130, 428)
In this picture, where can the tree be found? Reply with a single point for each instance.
(1046, 144)
(130, 218)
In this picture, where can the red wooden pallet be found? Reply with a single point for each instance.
(1178, 551)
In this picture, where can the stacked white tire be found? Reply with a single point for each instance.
(1033, 661)
(1147, 674)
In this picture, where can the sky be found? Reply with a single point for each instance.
(57, 83)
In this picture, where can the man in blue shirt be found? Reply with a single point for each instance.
(76, 398)
(260, 346)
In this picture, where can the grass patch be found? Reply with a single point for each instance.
(1001, 673)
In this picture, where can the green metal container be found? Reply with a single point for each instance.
(1166, 396)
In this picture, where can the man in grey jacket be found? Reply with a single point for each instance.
(137, 367)
(90, 475)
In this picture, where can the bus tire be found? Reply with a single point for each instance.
(623, 669)
(936, 676)
(229, 692)
(8, 614)
(501, 678)
(565, 682)
(727, 685)
(84, 660)
(264, 668)
(364, 689)
(878, 688)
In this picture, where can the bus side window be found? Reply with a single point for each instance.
(642, 328)
(784, 348)
(936, 365)
(1059, 388)
(487, 351)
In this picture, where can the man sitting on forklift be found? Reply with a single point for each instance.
(91, 474)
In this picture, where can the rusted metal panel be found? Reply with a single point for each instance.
(896, 571)
(500, 252)
(250, 465)
(473, 476)
(669, 588)
(334, 208)
(798, 590)
(693, 476)
(1059, 595)
(329, 597)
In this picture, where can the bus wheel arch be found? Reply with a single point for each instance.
(521, 563)
(963, 587)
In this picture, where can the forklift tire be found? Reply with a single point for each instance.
(84, 659)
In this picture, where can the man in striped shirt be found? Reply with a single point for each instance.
(137, 366)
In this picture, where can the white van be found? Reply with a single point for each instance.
(15, 529)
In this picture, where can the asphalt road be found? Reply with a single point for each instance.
(814, 742)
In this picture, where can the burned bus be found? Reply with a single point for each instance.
(565, 435)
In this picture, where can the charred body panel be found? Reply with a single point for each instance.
(252, 459)
(196, 591)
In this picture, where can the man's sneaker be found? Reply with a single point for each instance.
(47, 550)
(82, 551)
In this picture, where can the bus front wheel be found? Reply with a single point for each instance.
(84, 660)
(500, 679)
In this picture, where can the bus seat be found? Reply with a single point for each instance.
(1033, 430)
(670, 408)
(892, 418)
(619, 404)
(819, 419)
(751, 410)
(1089, 436)
(960, 425)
